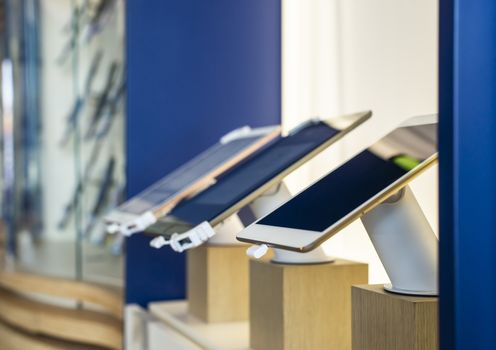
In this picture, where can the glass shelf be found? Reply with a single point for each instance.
(63, 145)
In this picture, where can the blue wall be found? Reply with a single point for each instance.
(467, 153)
(195, 70)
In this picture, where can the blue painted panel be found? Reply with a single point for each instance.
(196, 70)
(446, 172)
(468, 170)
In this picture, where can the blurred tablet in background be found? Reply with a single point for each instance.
(157, 200)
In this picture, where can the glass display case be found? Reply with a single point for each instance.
(63, 136)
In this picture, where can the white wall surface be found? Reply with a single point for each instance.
(342, 56)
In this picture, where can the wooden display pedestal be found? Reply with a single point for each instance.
(302, 306)
(217, 283)
(387, 321)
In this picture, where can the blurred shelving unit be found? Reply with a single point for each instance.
(62, 168)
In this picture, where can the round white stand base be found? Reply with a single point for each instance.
(423, 293)
(317, 256)
(225, 232)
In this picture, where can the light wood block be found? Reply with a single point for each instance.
(217, 282)
(175, 317)
(387, 321)
(302, 306)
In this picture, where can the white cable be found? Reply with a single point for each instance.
(158, 242)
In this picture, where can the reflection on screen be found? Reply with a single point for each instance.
(338, 194)
(254, 172)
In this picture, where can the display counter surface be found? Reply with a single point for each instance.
(219, 336)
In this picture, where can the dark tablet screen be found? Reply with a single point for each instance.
(345, 189)
(252, 173)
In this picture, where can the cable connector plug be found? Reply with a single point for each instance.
(180, 242)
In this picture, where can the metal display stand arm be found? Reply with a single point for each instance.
(405, 243)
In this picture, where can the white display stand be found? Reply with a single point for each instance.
(270, 200)
(405, 243)
(315, 256)
(225, 232)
